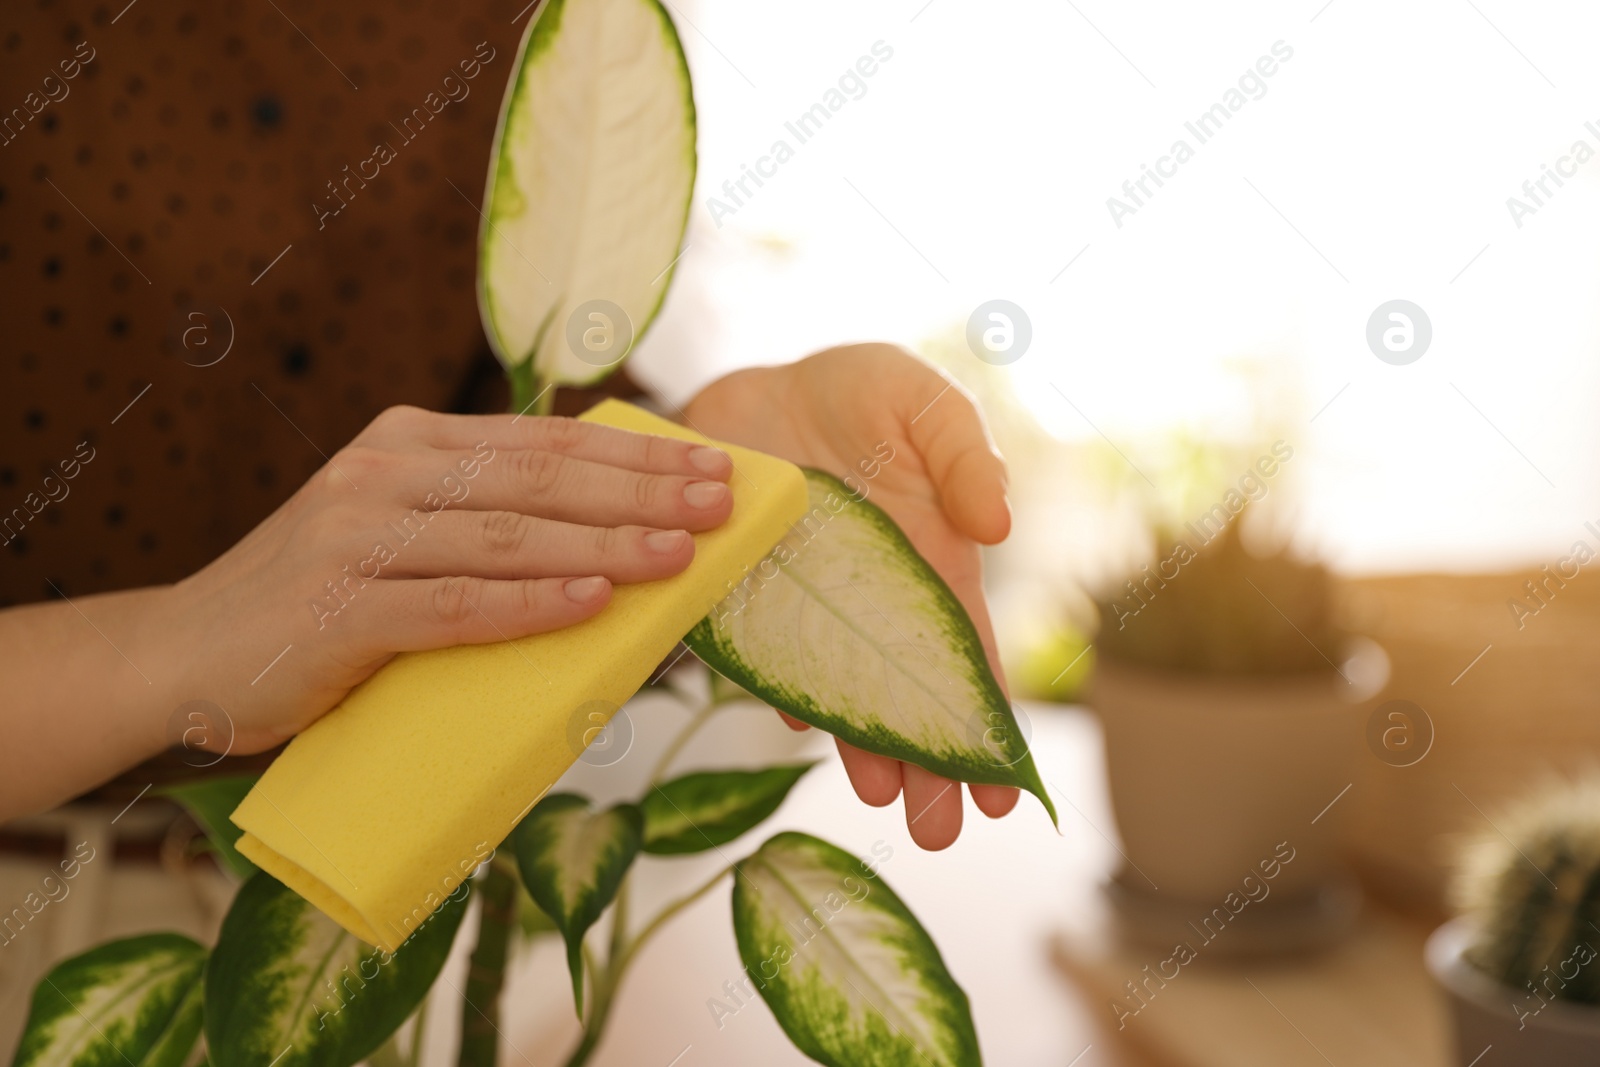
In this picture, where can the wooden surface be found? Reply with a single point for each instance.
(1368, 1001)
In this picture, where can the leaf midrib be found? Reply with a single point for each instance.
(570, 848)
(299, 1010)
(827, 605)
(826, 931)
(150, 977)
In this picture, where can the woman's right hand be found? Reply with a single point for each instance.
(427, 531)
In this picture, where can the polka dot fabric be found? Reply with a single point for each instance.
(176, 305)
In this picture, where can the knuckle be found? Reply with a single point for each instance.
(400, 418)
(879, 350)
(453, 599)
(562, 434)
(504, 533)
(646, 492)
(607, 541)
(525, 599)
(356, 461)
(871, 355)
(539, 470)
(658, 451)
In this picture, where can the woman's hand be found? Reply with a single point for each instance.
(426, 531)
(435, 530)
(946, 487)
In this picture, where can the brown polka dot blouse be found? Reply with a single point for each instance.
(207, 282)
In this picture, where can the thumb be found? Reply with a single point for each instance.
(963, 462)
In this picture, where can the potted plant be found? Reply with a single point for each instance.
(600, 105)
(1226, 692)
(1519, 964)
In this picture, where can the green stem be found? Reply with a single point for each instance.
(480, 1014)
(585, 1049)
(419, 1031)
(622, 948)
(529, 396)
(388, 1054)
(606, 984)
(672, 751)
(620, 963)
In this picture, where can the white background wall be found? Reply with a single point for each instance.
(1390, 141)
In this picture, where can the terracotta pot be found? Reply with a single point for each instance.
(1210, 777)
(1486, 1013)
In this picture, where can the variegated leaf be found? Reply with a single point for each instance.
(134, 1003)
(710, 808)
(589, 188)
(572, 860)
(849, 973)
(211, 801)
(288, 987)
(532, 922)
(846, 627)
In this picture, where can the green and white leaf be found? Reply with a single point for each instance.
(532, 922)
(289, 987)
(590, 182)
(846, 627)
(211, 801)
(847, 970)
(572, 860)
(703, 810)
(134, 1003)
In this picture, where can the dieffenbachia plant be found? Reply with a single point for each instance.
(588, 195)
(844, 626)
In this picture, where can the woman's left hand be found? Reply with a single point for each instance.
(946, 487)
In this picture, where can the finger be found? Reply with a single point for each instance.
(933, 808)
(994, 800)
(487, 435)
(559, 487)
(968, 472)
(791, 722)
(411, 616)
(506, 545)
(876, 778)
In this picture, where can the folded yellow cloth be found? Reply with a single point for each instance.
(386, 804)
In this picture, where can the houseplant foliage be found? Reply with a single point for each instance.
(1532, 898)
(1521, 961)
(1217, 607)
(588, 194)
(1229, 706)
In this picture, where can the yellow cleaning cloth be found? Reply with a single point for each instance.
(387, 803)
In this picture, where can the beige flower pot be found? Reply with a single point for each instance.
(1212, 779)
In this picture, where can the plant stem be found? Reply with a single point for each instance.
(671, 753)
(419, 1031)
(529, 396)
(620, 963)
(622, 948)
(480, 1015)
(388, 1054)
(586, 1047)
(606, 984)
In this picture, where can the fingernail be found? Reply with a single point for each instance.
(704, 494)
(665, 540)
(586, 590)
(710, 460)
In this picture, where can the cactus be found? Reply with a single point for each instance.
(1531, 892)
(1210, 605)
